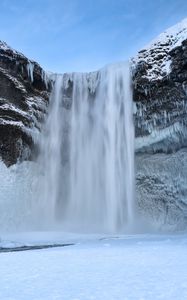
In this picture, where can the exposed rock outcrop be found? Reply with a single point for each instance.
(24, 93)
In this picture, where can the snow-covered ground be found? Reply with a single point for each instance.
(125, 267)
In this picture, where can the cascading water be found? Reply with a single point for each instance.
(88, 151)
(50, 152)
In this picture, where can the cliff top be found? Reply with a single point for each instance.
(156, 55)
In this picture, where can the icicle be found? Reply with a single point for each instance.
(30, 69)
(45, 78)
(134, 108)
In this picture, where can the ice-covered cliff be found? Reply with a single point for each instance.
(160, 91)
(24, 92)
(160, 99)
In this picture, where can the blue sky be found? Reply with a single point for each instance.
(84, 35)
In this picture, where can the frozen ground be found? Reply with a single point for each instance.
(125, 267)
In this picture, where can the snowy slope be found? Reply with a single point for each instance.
(156, 54)
(4, 46)
(121, 268)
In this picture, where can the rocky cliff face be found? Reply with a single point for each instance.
(160, 96)
(24, 93)
(160, 91)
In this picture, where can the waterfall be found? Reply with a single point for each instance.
(50, 152)
(87, 151)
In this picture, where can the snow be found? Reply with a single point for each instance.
(37, 108)
(124, 267)
(18, 210)
(5, 47)
(14, 80)
(176, 33)
(11, 106)
(166, 67)
(156, 54)
(11, 122)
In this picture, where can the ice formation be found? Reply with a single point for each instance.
(30, 69)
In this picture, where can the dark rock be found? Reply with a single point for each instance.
(160, 97)
(24, 95)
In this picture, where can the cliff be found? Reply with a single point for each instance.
(160, 97)
(24, 93)
(160, 91)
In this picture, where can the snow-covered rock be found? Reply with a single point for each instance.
(24, 92)
(157, 56)
(160, 88)
(160, 101)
